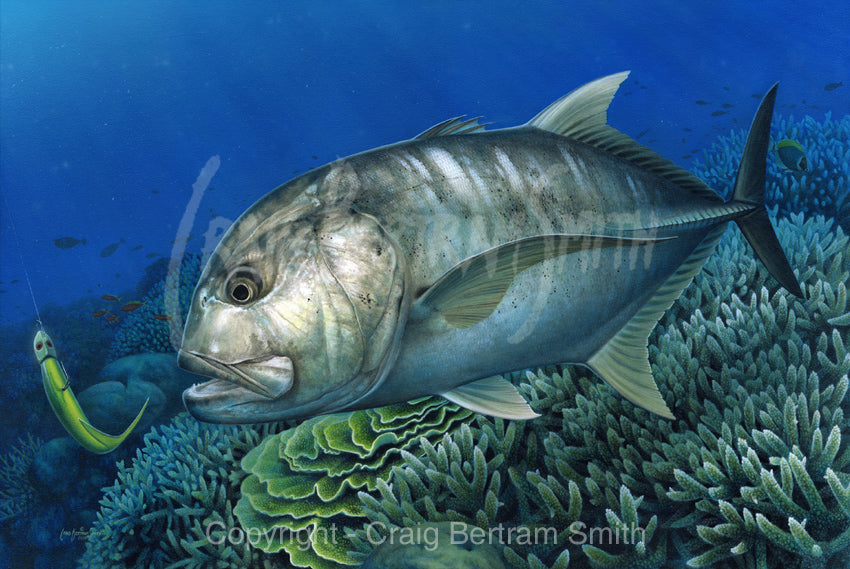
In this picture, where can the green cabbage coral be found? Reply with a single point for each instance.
(301, 494)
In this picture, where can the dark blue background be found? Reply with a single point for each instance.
(104, 103)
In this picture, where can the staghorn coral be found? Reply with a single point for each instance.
(304, 482)
(140, 332)
(466, 477)
(17, 494)
(824, 189)
(172, 506)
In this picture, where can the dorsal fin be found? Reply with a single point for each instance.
(583, 114)
(456, 125)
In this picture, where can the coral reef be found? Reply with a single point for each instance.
(303, 483)
(146, 329)
(823, 190)
(754, 468)
(172, 506)
(754, 472)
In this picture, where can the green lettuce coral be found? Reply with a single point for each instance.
(301, 493)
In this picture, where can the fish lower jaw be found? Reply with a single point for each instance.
(220, 387)
(270, 376)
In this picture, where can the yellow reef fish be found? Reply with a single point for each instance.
(791, 156)
(65, 405)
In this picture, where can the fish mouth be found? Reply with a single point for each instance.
(269, 376)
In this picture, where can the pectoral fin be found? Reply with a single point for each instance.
(494, 396)
(101, 443)
(471, 290)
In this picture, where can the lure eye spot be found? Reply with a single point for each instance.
(39, 346)
(49, 344)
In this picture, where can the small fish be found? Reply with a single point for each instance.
(99, 313)
(110, 249)
(65, 404)
(111, 318)
(110, 298)
(68, 242)
(791, 156)
(701, 102)
(718, 113)
(833, 86)
(163, 317)
(152, 255)
(641, 134)
(727, 106)
(131, 306)
(136, 248)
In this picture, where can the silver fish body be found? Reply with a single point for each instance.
(434, 265)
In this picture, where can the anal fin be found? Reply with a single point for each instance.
(623, 362)
(494, 396)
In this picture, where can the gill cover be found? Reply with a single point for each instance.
(366, 301)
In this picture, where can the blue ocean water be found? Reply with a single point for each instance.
(109, 110)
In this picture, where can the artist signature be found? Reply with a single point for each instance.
(81, 533)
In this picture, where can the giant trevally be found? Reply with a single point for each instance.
(434, 265)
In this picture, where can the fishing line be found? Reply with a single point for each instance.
(21, 257)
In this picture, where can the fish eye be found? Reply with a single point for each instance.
(244, 286)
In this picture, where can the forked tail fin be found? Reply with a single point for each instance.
(749, 189)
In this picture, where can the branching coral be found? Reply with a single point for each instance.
(824, 189)
(172, 507)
